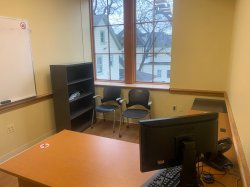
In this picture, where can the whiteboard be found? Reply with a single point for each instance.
(16, 68)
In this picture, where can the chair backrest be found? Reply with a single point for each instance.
(111, 93)
(138, 96)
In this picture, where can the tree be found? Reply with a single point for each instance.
(111, 8)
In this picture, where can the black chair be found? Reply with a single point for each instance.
(109, 102)
(140, 97)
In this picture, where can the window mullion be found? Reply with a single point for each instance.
(109, 53)
(153, 40)
(129, 41)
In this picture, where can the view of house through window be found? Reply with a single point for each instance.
(107, 26)
(153, 33)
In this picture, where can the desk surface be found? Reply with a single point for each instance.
(72, 159)
(77, 159)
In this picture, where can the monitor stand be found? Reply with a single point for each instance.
(219, 162)
(189, 175)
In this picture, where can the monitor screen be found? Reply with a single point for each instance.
(162, 141)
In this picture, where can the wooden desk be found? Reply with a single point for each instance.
(77, 159)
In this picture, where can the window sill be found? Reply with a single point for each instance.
(137, 85)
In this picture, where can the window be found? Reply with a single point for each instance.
(107, 18)
(153, 38)
(102, 37)
(151, 27)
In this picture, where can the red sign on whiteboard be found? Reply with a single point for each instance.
(22, 25)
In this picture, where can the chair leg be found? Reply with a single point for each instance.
(93, 114)
(127, 123)
(103, 116)
(114, 123)
(121, 118)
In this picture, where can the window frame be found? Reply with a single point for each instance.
(129, 45)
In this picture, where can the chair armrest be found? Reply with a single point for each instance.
(118, 100)
(122, 101)
(97, 96)
(149, 105)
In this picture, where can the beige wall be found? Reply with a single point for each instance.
(162, 103)
(86, 30)
(239, 77)
(56, 35)
(31, 124)
(201, 43)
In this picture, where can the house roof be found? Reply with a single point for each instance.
(139, 41)
(157, 63)
(162, 39)
(142, 76)
(98, 19)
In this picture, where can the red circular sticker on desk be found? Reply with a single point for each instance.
(23, 25)
(44, 145)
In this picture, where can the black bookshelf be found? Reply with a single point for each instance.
(73, 114)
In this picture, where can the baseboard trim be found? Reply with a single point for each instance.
(242, 162)
(23, 147)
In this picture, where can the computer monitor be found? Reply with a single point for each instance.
(178, 141)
